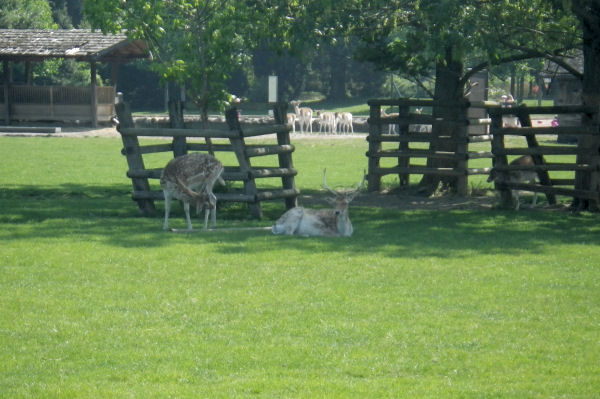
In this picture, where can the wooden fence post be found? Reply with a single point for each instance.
(403, 160)
(285, 159)
(461, 149)
(131, 149)
(538, 159)
(238, 144)
(374, 138)
(499, 158)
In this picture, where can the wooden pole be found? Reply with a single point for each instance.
(7, 82)
(285, 159)
(131, 148)
(94, 99)
(373, 178)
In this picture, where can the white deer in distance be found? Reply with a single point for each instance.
(190, 178)
(303, 115)
(517, 176)
(327, 121)
(344, 120)
(320, 222)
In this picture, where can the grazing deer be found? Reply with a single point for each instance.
(304, 116)
(184, 174)
(291, 120)
(344, 120)
(320, 222)
(517, 176)
(391, 126)
(327, 121)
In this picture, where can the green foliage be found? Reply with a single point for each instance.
(28, 14)
(98, 302)
(410, 36)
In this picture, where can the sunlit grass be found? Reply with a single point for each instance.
(99, 302)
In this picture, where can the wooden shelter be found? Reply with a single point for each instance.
(93, 103)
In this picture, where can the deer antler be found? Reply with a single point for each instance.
(325, 186)
(355, 192)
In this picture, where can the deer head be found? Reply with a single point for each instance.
(340, 201)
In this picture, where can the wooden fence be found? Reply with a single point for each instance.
(57, 103)
(402, 117)
(549, 160)
(583, 159)
(244, 171)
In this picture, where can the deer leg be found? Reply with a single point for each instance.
(186, 208)
(167, 211)
(516, 192)
(213, 221)
(206, 213)
(535, 195)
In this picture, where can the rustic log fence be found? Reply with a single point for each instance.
(458, 143)
(245, 171)
(580, 160)
(555, 159)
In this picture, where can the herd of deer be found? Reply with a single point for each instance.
(329, 122)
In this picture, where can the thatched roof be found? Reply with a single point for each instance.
(79, 44)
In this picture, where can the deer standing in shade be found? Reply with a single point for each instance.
(320, 222)
(517, 176)
(190, 178)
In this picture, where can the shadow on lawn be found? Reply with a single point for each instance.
(108, 214)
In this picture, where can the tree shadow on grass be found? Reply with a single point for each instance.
(109, 215)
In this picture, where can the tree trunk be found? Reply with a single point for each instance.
(589, 14)
(448, 90)
(338, 63)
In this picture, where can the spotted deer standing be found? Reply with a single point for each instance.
(517, 176)
(190, 178)
(320, 222)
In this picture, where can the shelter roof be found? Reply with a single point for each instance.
(78, 44)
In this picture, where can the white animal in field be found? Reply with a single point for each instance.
(190, 178)
(291, 120)
(419, 128)
(344, 121)
(320, 222)
(391, 126)
(517, 176)
(326, 121)
(303, 115)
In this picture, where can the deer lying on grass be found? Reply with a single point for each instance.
(190, 178)
(320, 222)
(303, 115)
(517, 176)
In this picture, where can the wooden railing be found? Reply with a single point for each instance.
(405, 121)
(57, 103)
(549, 160)
(243, 171)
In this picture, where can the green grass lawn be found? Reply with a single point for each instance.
(98, 302)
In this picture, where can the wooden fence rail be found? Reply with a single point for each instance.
(562, 156)
(581, 159)
(244, 171)
(405, 120)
